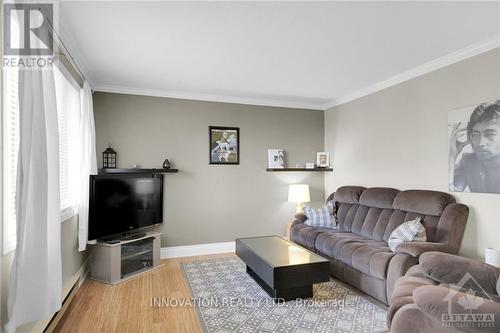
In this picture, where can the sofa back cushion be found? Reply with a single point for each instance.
(347, 194)
(428, 205)
(423, 202)
(365, 212)
(375, 212)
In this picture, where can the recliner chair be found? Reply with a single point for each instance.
(446, 293)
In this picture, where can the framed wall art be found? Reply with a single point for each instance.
(474, 148)
(224, 145)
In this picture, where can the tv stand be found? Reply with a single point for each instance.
(131, 236)
(120, 260)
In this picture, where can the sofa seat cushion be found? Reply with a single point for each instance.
(320, 244)
(372, 259)
(306, 235)
(363, 254)
(347, 251)
(330, 244)
(341, 245)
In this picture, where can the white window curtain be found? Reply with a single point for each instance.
(36, 281)
(50, 123)
(88, 163)
(10, 150)
(68, 101)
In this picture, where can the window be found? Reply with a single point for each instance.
(68, 114)
(68, 117)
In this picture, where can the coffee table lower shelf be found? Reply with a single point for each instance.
(287, 294)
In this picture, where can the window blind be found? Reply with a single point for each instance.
(68, 116)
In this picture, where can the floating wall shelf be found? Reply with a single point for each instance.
(298, 169)
(121, 171)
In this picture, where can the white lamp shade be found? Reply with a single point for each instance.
(298, 193)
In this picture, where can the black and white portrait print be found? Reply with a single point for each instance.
(474, 148)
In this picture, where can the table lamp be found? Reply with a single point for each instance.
(298, 193)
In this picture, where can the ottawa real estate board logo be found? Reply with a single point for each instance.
(28, 39)
(465, 305)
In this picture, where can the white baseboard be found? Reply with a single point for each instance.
(48, 324)
(83, 272)
(196, 250)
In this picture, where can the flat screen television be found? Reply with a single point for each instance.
(125, 202)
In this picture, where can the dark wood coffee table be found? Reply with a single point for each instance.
(285, 270)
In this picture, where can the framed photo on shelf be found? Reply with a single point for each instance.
(224, 145)
(323, 159)
(275, 158)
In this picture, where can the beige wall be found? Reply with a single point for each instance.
(72, 259)
(213, 203)
(398, 137)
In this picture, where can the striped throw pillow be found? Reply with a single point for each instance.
(321, 217)
(411, 231)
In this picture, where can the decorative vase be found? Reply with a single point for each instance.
(166, 164)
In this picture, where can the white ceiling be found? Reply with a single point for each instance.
(298, 54)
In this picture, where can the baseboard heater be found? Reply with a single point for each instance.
(64, 306)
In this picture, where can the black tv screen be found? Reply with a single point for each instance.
(121, 203)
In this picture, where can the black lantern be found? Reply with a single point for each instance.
(109, 158)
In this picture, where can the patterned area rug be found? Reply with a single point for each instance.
(229, 300)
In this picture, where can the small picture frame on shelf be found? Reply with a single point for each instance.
(323, 159)
(275, 158)
(309, 165)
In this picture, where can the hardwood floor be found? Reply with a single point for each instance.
(127, 307)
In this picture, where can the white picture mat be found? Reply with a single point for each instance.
(275, 158)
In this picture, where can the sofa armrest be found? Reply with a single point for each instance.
(440, 301)
(398, 266)
(415, 249)
(300, 217)
(298, 221)
(449, 268)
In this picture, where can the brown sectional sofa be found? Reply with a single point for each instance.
(358, 250)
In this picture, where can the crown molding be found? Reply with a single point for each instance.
(449, 59)
(261, 101)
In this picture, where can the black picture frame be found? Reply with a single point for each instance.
(229, 154)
